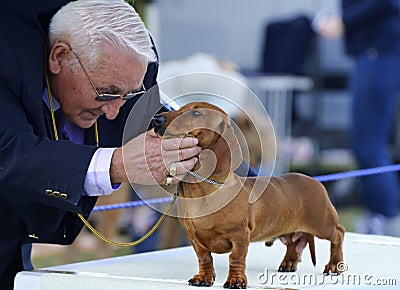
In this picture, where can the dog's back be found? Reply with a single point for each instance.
(293, 202)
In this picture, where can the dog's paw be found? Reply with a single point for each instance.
(202, 280)
(335, 268)
(269, 243)
(239, 282)
(288, 266)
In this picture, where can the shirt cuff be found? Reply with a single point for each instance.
(97, 181)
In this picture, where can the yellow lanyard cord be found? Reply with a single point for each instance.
(138, 241)
(85, 221)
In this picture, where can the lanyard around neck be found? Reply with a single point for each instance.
(53, 119)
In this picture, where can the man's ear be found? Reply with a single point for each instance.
(57, 55)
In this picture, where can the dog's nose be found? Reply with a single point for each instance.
(158, 124)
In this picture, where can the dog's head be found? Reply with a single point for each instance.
(208, 123)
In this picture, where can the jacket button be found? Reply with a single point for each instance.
(33, 236)
(64, 196)
(56, 194)
(49, 192)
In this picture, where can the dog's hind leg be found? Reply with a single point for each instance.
(292, 258)
(334, 267)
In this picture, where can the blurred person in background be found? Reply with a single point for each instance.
(372, 37)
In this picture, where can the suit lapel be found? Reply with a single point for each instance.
(48, 122)
(90, 136)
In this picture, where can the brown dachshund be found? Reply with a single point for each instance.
(222, 212)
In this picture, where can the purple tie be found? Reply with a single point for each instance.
(74, 133)
(67, 130)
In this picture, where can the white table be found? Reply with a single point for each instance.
(371, 260)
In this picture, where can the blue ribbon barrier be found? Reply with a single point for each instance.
(320, 178)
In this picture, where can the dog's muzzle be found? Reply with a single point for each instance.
(158, 124)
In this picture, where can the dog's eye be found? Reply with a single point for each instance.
(196, 113)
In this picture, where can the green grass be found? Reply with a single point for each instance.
(348, 216)
(68, 255)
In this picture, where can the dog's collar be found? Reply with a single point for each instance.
(194, 174)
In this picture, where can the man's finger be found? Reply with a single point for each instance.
(182, 167)
(181, 154)
(188, 164)
(178, 143)
(174, 143)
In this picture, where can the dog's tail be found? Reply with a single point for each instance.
(311, 245)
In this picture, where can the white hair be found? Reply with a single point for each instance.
(87, 25)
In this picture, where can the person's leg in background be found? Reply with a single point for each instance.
(375, 88)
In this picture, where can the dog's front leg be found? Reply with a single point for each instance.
(237, 265)
(206, 275)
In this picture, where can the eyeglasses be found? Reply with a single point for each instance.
(108, 97)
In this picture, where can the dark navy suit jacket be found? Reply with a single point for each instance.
(31, 162)
(371, 24)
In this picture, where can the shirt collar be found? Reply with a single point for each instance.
(45, 98)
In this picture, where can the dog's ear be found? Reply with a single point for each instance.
(228, 142)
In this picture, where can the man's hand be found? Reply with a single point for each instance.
(329, 26)
(147, 159)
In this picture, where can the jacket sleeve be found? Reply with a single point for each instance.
(357, 12)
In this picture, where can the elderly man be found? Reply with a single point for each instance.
(65, 96)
